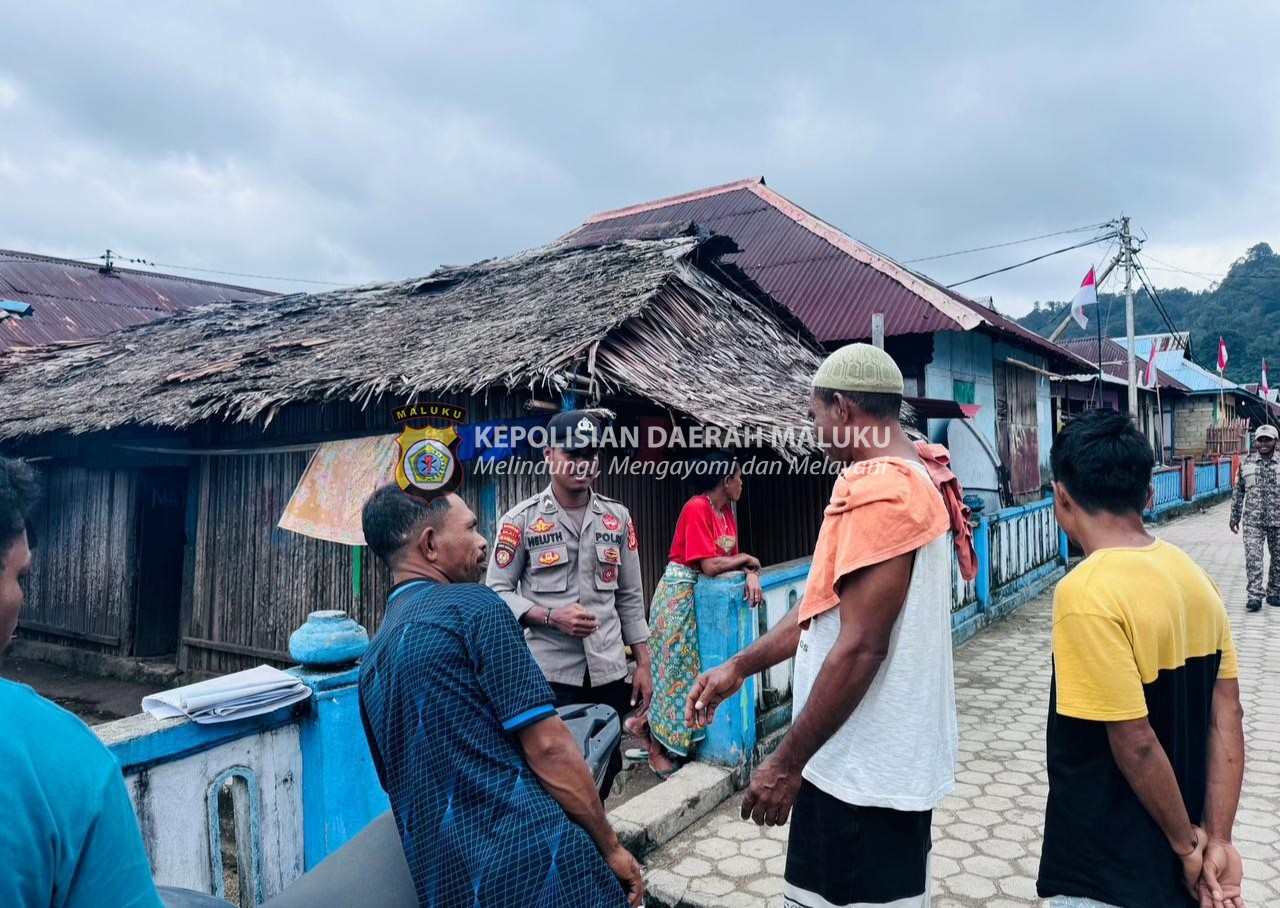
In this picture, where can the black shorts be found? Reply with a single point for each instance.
(841, 855)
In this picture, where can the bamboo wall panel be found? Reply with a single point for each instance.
(81, 579)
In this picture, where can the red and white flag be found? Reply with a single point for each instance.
(1086, 296)
(1149, 379)
(1222, 355)
(1266, 389)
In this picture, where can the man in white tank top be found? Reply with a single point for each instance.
(872, 747)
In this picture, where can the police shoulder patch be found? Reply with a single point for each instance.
(502, 557)
(631, 536)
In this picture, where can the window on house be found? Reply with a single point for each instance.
(962, 392)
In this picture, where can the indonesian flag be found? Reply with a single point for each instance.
(1266, 389)
(1222, 355)
(1149, 378)
(1086, 296)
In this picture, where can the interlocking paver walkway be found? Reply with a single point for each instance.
(987, 835)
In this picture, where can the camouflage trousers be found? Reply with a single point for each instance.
(1255, 539)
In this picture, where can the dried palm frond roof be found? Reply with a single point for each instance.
(634, 317)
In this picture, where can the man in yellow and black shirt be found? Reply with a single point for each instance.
(1145, 737)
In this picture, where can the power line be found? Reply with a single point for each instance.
(261, 277)
(1090, 242)
(1149, 286)
(1030, 239)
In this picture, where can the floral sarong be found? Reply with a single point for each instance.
(673, 643)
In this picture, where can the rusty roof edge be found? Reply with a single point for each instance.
(962, 315)
(693, 196)
(13, 255)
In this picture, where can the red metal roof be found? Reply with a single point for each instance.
(1115, 360)
(830, 281)
(73, 300)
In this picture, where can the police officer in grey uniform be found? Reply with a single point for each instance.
(566, 561)
(1257, 499)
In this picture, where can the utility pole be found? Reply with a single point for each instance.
(1127, 250)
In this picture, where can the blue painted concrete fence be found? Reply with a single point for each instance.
(304, 774)
(340, 788)
(1176, 487)
(727, 625)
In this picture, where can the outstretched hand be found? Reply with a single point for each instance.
(710, 690)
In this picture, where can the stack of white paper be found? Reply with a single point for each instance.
(239, 696)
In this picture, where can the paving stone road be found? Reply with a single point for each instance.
(987, 835)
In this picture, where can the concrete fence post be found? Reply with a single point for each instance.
(340, 788)
(727, 625)
(982, 547)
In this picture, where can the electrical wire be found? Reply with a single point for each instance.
(1149, 286)
(1030, 239)
(1090, 242)
(262, 277)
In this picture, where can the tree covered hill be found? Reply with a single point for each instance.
(1244, 308)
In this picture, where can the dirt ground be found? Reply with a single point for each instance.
(93, 699)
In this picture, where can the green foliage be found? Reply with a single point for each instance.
(1244, 308)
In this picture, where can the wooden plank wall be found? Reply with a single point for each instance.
(253, 584)
(80, 588)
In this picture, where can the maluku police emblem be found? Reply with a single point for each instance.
(429, 465)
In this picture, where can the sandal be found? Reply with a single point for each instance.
(636, 754)
(664, 774)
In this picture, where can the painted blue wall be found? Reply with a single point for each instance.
(726, 626)
(962, 356)
(971, 356)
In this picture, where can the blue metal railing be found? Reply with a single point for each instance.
(1168, 488)
(1206, 479)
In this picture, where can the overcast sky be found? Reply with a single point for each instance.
(351, 142)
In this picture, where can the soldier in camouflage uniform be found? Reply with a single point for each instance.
(1257, 497)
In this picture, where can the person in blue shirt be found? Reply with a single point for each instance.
(67, 829)
(491, 795)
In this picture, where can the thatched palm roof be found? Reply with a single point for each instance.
(638, 317)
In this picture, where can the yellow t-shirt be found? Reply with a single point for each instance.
(1138, 632)
(1123, 617)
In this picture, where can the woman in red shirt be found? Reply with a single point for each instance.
(706, 542)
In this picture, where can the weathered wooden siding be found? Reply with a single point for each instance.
(253, 583)
(80, 588)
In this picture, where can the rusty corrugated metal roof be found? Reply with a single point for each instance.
(1115, 361)
(830, 281)
(73, 300)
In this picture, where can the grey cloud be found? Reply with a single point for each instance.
(345, 142)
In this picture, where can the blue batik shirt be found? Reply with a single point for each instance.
(444, 689)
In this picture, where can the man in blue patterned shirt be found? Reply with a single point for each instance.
(493, 800)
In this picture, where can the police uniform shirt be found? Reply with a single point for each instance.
(541, 558)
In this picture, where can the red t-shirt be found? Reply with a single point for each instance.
(702, 532)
